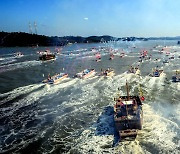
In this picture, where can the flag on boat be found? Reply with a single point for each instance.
(141, 93)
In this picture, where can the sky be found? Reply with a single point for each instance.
(118, 18)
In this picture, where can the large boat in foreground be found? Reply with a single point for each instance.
(47, 55)
(86, 73)
(128, 115)
(55, 79)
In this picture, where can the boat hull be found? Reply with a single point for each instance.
(83, 75)
(55, 79)
(47, 57)
(90, 74)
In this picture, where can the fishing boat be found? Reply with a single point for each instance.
(98, 57)
(86, 74)
(55, 79)
(172, 57)
(165, 61)
(111, 57)
(128, 115)
(47, 55)
(107, 73)
(18, 54)
(122, 55)
(157, 73)
(140, 60)
(176, 77)
(134, 70)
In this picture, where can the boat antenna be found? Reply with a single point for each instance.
(127, 88)
(140, 90)
(118, 94)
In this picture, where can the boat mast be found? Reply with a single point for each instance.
(127, 88)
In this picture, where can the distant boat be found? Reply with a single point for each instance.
(111, 57)
(134, 70)
(176, 77)
(98, 57)
(167, 53)
(172, 57)
(18, 54)
(55, 79)
(107, 73)
(122, 55)
(165, 61)
(46, 55)
(86, 74)
(58, 50)
(157, 73)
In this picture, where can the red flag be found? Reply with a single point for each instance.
(142, 98)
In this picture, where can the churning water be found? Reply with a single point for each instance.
(76, 116)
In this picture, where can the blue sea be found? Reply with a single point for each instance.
(76, 115)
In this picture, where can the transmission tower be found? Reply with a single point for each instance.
(30, 28)
(35, 27)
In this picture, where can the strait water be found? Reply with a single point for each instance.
(76, 116)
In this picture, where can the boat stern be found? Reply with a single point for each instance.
(128, 133)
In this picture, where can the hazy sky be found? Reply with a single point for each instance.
(92, 17)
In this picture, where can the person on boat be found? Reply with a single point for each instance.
(105, 72)
(131, 69)
(134, 103)
(120, 102)
(157, 68)
(156, 72)
(49, 77)
(86, 71)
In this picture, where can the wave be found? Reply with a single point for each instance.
(19, 65)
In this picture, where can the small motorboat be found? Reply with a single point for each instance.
(157, 60)
(111, 57)
(165, 61)
(122, 55)
(172, 57)
(55, 79)
(98, 60)
(128, 115)
(134, 70)
(46, 55)
(86, 74)
(107, 73)
(98, 57)
(157, 73)
(140, 60)
(176, 77)
(18, 54)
